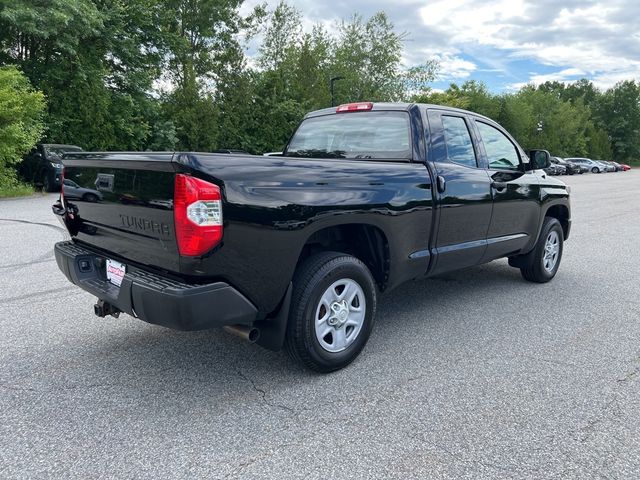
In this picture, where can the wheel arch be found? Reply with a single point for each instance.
(365, 241)
(560, 212)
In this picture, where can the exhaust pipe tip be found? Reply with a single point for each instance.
(250, 334)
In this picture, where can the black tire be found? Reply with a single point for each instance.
(90, 197)
(46, 184)
(595, 170)
(313, 278)
(535, 270)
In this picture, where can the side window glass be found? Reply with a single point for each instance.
(458, 141)
(501, 153)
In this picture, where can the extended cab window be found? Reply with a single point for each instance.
(364, 135)
(501, 153)
(458, 141)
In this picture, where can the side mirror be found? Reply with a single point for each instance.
(539, 159)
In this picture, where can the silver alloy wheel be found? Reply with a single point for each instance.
(340, 315)
(551, 251)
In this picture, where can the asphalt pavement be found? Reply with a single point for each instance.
(476, 374)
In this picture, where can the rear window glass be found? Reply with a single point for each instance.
(364, 135)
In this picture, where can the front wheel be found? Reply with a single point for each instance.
(546, 256)
(46, 184)
(332, 311)
(595, 170)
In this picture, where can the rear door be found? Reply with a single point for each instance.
(515, 194)
(463, 191)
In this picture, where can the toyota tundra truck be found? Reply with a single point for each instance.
(294, 250)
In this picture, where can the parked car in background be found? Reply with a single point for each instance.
(73, 191)
(625, 167)
(571, 168)
(608, 166)
(591, 165)
(555, 169)
(42, 166)
(618, 167)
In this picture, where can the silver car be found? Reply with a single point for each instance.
(73, 191)
(592, 165)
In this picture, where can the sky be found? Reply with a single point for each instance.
(504, 43)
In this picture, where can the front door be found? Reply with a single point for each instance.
(516, 194)
(463, 192)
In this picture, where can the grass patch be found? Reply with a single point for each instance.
(11, 186)
(21, 190)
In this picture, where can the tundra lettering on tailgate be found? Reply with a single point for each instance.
(144, 225)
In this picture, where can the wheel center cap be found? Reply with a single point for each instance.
(340, 314)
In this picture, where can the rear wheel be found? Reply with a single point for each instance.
(332, 311)
(545, 258)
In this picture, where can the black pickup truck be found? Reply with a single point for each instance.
(294, 250)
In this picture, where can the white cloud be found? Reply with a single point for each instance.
(566, 75)
(453, 67)
(598, 38)
(592, 39)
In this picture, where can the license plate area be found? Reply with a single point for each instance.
(115, 271)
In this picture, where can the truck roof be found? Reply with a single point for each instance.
(396, 106)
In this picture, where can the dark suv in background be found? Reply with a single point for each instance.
(570, 167)
(42, 166)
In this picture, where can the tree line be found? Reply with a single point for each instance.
(175, 75)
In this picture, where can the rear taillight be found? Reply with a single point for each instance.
(197, 211)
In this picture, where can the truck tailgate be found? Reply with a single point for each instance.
(123, 203)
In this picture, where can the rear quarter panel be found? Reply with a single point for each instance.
(273, 205)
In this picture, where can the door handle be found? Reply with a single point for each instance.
(442, 184)
(499, 186)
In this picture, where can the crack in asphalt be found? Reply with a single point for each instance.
(263, 394)
(632, 374)
(611, 411)
(241, 467)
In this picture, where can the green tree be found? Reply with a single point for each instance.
(201, 48)
(480, 100)
(618, 112)
(416, 80)
(94, 60)
(367, 56)
(451, 97)
(21, 125)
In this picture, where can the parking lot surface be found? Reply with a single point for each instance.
(476, 374)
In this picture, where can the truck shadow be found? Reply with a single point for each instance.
(139, 360)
